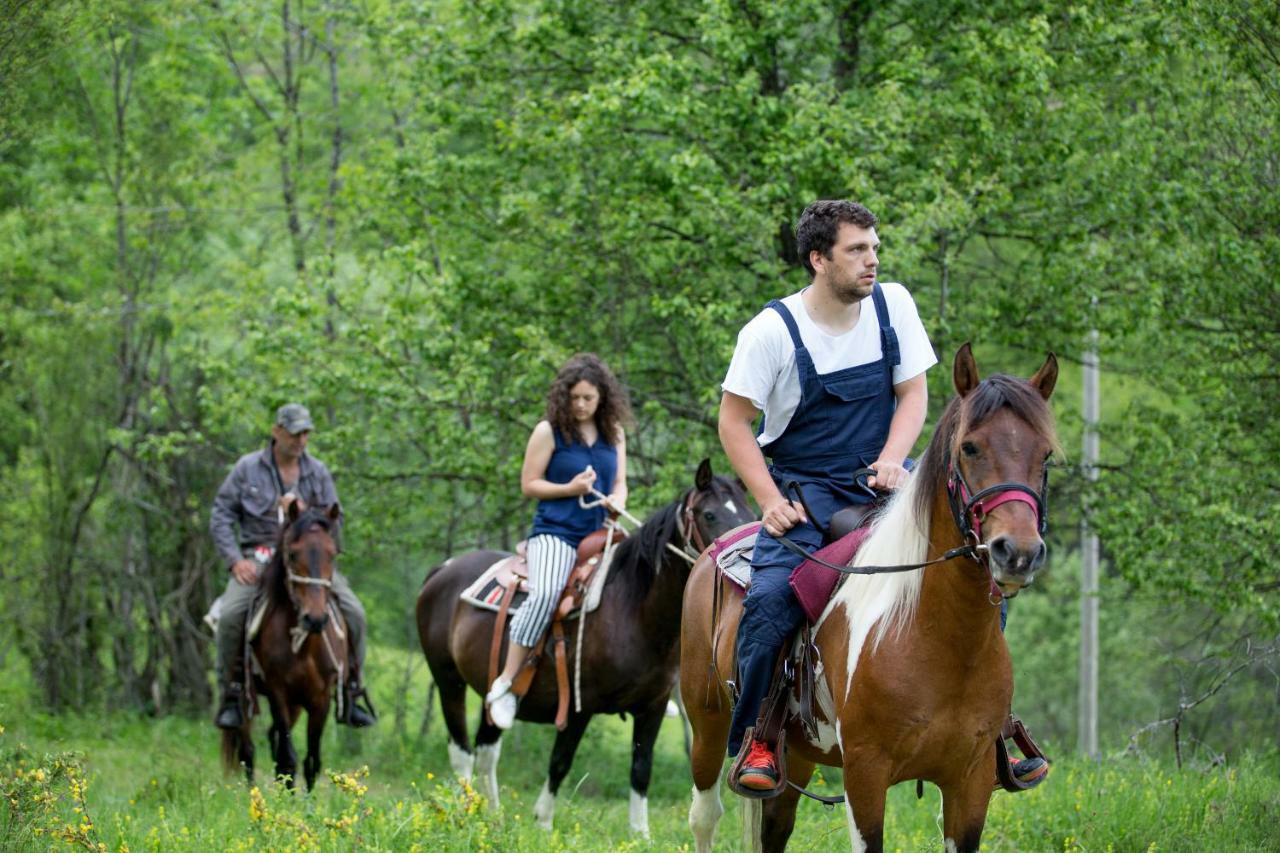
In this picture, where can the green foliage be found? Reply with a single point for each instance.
(408, 215)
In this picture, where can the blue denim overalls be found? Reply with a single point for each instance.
(840, 425)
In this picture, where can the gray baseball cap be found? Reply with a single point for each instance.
(294, 417)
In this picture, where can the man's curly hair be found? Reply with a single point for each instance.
(612, 415)
(816, 230)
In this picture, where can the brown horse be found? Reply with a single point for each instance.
(629, 653)
(301, 646)
(914, 678)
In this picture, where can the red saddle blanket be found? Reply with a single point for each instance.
(812, 582)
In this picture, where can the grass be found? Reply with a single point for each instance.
(124, 782)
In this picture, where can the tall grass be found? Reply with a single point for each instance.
(119, 781)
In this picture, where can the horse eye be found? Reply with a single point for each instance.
(709, 515)
(969, 449)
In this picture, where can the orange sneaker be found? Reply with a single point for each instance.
(759, 770)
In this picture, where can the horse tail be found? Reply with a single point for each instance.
(752, 821)
(231, 739)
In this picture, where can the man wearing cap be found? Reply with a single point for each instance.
(254, 499)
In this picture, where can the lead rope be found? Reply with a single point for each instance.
(602, 500)
(605, 556)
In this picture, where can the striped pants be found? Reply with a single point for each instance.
(551, 560)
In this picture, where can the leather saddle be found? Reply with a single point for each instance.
(512, 576)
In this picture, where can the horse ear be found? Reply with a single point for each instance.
(1046, 377)
(965, 370)
(335, 512)
(292, 512)
(702, 479)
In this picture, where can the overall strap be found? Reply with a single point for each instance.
(790, 320)
(888, 337)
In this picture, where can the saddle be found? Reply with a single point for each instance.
(511, 576)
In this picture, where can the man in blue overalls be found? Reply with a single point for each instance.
(840, 378)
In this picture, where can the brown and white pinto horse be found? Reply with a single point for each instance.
(301, 646)
(914, 678)
(629, 648)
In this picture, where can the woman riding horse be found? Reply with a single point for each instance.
(629, 653)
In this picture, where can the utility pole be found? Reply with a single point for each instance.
(1087, 732)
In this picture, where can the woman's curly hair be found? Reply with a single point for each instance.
(612, 415)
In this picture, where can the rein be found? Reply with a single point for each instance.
(689, 534)
(969, 512)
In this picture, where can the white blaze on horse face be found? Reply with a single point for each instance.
(486, 768)
(462, 762)
(639, 813)
(731, 506)
(544, 810)
(704, 814)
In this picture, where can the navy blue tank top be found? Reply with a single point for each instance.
(564, 517)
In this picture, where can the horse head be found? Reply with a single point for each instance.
(308, 552)
(1001, 440)
(713, 507)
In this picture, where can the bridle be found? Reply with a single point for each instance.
(693, 542)
(969, 512)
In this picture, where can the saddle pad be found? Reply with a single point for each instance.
(486, 592)
(732, 554)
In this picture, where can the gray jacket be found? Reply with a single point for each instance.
(248, 498)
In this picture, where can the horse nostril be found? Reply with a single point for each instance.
(1038, 560)
(313, 624)
(1001, 551)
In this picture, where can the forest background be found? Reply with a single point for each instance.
(407, 214)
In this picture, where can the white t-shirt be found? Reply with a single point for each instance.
(764, 369)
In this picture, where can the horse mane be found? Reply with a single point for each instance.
(900, 534)
(639, 556)
(274, 576)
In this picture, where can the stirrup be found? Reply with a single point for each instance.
(358, 710)
(779, 757)
(230, 713)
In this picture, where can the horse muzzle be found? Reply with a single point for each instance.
(1014, 564)
(314, 624)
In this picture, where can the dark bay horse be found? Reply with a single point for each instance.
(914, 678)
(629, 648)
(301, 646)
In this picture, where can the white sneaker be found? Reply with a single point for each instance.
(501, 703)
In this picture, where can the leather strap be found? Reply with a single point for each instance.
(500, 629)
(562, 675)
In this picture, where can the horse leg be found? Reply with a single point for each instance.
(453, 707)
(709, 720)
(562, 753)
(964, 807)
(282, 751)
(645, 735)
(316, 716)
(779, 817)
(865, 786)
(488, 749)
